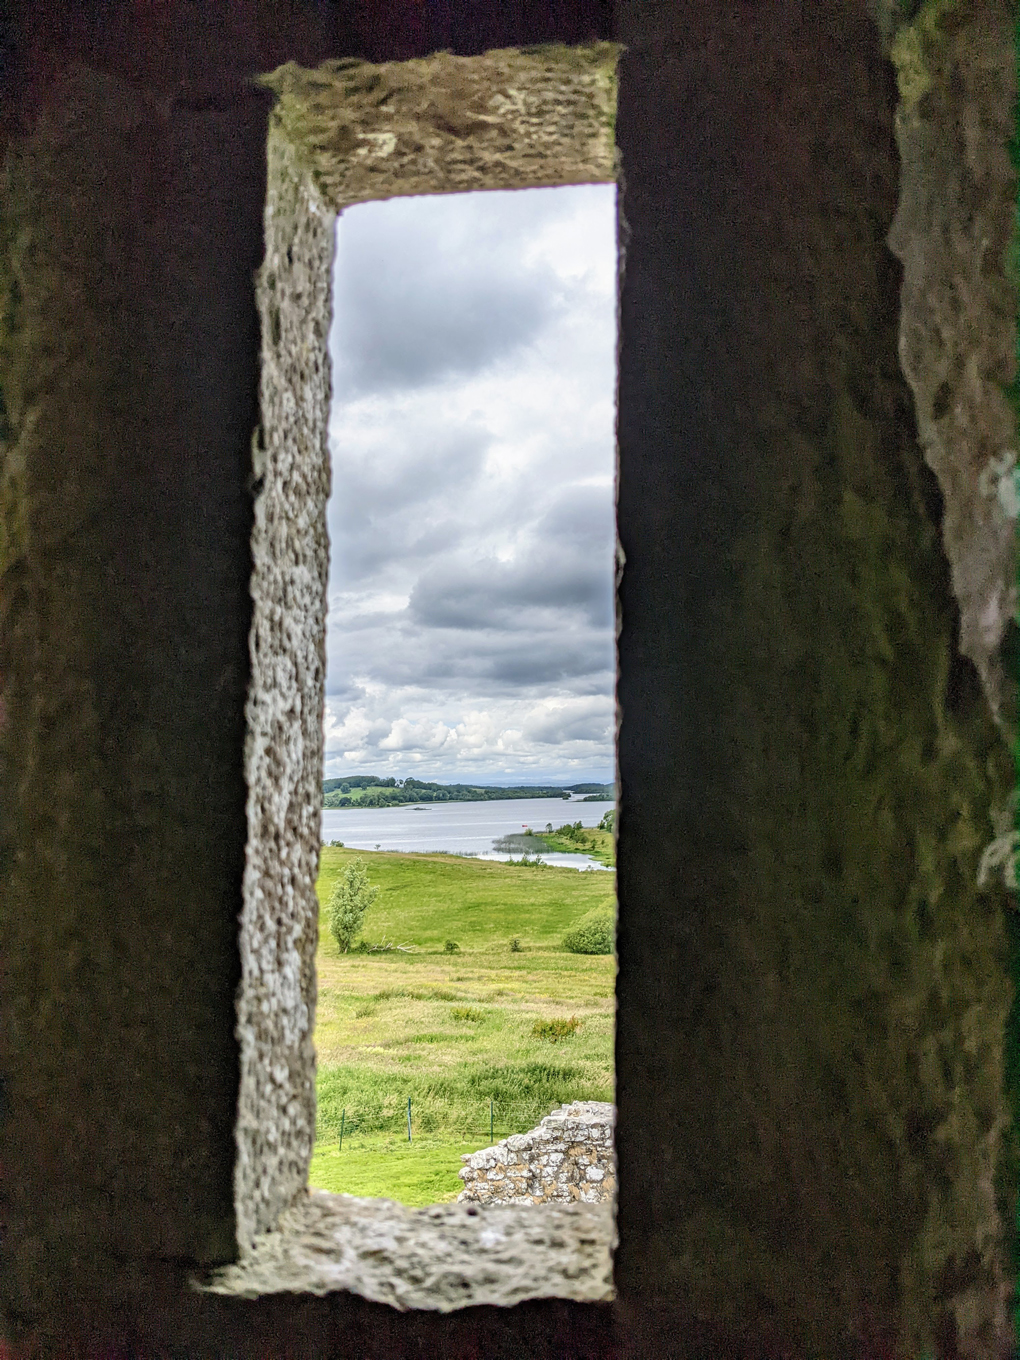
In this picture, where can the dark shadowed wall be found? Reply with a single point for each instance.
(806, 763)
(815, 1148)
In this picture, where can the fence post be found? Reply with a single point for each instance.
(343, 1116)
(408, 1118)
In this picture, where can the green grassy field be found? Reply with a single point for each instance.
(453, 1031)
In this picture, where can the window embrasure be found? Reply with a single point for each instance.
(345, 133)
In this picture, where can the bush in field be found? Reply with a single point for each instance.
(451, 947)
(350, 899)
(515, 946)
(555, 1029)
(595, 933)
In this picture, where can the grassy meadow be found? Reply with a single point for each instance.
(453, 1030)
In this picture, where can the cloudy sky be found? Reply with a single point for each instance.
(471, 523)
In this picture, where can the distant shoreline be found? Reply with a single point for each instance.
(369, 791)
(417, 807)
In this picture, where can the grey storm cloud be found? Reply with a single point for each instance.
(464, 297)
(494, 663)
(555, 660)
(395, 501)
(483, 593)
(471, 521)
(382, 481)
(583, 515)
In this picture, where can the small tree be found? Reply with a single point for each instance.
(350, 899)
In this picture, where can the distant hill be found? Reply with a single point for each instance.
(369, 790)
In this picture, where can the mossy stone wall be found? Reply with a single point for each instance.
(807, 763)
(127, 370)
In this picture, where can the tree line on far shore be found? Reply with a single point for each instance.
(363, 790)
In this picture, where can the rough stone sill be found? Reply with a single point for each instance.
(441, 1258)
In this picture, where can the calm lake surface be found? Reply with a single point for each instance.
(460, 828)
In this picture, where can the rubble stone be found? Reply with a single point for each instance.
(570, 1156)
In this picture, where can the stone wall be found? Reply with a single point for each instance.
(570, 1156)
(450, 125)
(957, 83)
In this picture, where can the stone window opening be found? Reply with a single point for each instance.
(345, 133)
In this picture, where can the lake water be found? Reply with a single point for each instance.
(460, 828)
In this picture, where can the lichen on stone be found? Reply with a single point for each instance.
(507, 119)
(911, 46)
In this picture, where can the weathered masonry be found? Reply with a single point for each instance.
(816, 1112)
(568, 1157)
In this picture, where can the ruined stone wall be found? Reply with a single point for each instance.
(568, 1157)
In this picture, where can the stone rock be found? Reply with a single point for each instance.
(570, 1156)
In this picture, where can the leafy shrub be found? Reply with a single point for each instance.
(555, 1029)
(572, 831)
(466, 1013)
(451, 947)
(515, 946)
(595, 933)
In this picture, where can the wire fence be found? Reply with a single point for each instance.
(493, 1120)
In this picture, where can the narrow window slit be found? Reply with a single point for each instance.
(525, 121)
